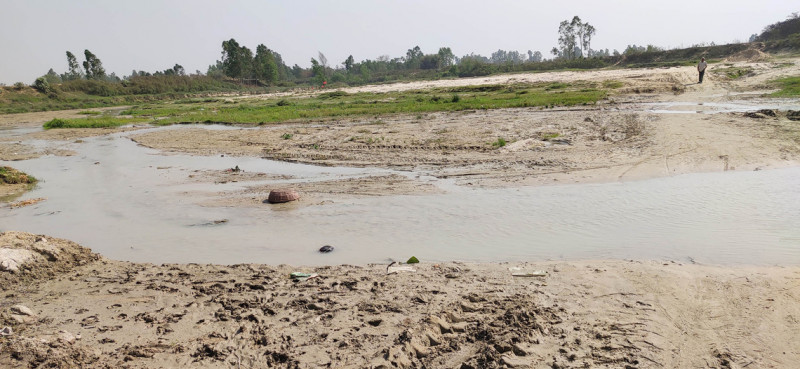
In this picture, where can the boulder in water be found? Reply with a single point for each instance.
(282, 195)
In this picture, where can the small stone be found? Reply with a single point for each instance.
(326, 249)
(375, 322)
(66, 337)
(314, 306)
(6, 331)
(21, 310)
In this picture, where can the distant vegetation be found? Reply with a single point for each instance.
(240, 70)
(781, 30)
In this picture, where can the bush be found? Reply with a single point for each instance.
(19, 86)
(55, 123)
(42, 85)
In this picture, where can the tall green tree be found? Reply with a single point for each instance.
(413, 58)
(567, 39)
(74, 71)
(446, 57)
(318, 72)
(348, 63)
(585, 31)
(264, 66)
(93, 66)
(236, 60)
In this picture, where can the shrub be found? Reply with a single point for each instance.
(332, 94)
(42, 85)
(55, 123)
(499, 143)
(19, 86)
(10, 175)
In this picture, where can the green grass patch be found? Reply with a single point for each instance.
(550, 136)
(332, 105)
(99, 122)
(789, 87)
(90, 112)
(9, 175)
(499, 143)
(610, 84)
(734, 72)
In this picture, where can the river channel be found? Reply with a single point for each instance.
(126, 202)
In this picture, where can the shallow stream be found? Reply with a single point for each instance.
(125, 202)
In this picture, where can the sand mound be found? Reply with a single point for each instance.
(25, 257)
(749, 55)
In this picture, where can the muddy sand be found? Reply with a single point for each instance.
(66, 307)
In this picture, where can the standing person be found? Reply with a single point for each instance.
(701, 67)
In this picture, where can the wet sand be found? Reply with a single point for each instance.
(91, 312)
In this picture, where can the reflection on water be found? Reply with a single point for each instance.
(113, 198)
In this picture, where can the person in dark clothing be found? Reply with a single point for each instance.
(701, 67)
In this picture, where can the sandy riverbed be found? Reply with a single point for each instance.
(616, 140)
(91, 312)
(88, 311)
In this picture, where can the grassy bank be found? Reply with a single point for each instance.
(341, 104)
(9, 175)
(93, 122)
(83, 94)
(789, 87)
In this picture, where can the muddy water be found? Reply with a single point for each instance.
(125, 202)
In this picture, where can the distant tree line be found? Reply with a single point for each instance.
(780, 30)
(239, 67)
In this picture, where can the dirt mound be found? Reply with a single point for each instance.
(57, 353)
(26, 257)
(749, 55)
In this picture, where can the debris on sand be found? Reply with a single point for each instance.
(24, 203)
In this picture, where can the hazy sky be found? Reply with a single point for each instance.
(153, 35)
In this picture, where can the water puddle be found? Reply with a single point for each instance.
(113, 198)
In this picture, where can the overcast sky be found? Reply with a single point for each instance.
(153, 35)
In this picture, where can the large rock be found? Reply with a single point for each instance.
(282, 195)
(12, 259)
